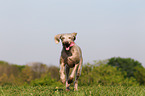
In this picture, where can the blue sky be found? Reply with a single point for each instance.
(106, 28)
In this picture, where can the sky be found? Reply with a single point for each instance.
(106, 28)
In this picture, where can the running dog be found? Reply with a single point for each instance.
(71, 57)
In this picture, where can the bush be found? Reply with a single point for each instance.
(100, 73)
(140, 75)
(104, 75)
(45, 80)
(125, 64)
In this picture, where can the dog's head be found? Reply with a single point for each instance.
(66, 39)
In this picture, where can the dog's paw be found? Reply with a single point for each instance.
(70, 59)
(63, 81)
(67, 89)
(62, 78)
(70, 80)
(75, 89)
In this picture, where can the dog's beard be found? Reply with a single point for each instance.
(67, 46)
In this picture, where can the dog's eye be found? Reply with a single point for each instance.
(62, 38)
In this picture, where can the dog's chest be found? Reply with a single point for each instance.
(68, 58)
(66, 55)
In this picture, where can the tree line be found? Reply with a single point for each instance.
(114, 71)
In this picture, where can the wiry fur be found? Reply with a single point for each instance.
(71, 58)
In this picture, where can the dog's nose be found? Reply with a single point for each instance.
(66, 42)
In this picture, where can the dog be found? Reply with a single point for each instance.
(71, 57)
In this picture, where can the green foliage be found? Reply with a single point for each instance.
(27, 75)
(139, 74)
(20, 67)
(125, 65)
(133, 68)
(45, 80)
(104, 75)
(11, 74)
(3, 63)
(100, 73)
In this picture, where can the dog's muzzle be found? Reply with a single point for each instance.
(68, 45)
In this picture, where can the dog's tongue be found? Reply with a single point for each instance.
(67, 48)
(72, 44)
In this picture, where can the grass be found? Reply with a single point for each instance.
(83, 91)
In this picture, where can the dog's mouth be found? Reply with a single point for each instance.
(68, 45)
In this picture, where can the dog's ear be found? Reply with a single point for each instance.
(57, 38)
(74, 35)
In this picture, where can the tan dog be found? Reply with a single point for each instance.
(71, 57)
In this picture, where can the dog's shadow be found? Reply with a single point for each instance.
(62, 90)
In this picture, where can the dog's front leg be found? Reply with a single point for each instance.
(67, 75)
(73, 74)
(62, 75)
(78, 73)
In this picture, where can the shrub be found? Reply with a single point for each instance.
(104, 75)
(45, 80)
(125, 64)
(140, 75)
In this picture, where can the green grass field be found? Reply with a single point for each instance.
(83, 91)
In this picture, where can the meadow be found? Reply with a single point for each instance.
(83, 91)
